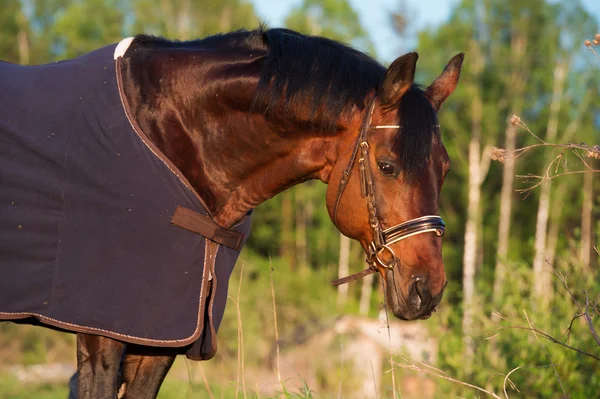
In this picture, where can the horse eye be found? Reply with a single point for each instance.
(386, 168)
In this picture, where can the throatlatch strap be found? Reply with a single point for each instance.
(206, 227)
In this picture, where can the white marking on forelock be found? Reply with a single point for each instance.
(122, 47)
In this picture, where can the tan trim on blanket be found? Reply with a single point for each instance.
(183, 217)
(167, 343)
(212, 249)
(153, 148)
(210, 255)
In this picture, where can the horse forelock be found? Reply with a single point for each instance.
(418, 124)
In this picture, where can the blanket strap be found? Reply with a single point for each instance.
(206, 227)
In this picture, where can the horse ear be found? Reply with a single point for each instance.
(445, 84)
(398, 79)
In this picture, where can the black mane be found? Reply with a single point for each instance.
(298, 69)
(332, 77)
(328, 75)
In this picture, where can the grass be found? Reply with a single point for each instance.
(11, 388)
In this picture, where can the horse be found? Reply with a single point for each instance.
(227, 122)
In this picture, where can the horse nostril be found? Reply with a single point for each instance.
(419, 287)
(418, 294)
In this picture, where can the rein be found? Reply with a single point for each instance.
(382, 238)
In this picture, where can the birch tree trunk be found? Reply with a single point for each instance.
(343, 269)
(554, 229)
(516, 85)
(478, 168)
(558, 202)
(541, 273)
(586, 220)
(365, 295)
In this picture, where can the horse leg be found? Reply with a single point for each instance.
(144, 369)
(98, 361)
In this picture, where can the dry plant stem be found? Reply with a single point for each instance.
(374, 380)
(387, 325)
(237, 382)
(414, 367)
(341, 368)
(588, 320)
(190, 391)
(276, 329)
(555, 163)
(591, 48)
(520, 151)
(552, 339)
(586, 315)
(544, 179)
(240, 361)
(241, 333)
(547, 354)
(507, 379)
(206, 383)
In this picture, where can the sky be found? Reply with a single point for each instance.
(374, 15)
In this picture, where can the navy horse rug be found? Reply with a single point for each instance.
(99, 232)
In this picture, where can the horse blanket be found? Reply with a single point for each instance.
(87, 239)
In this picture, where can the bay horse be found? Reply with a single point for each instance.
(237, 118)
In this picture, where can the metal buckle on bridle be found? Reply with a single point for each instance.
(387, 265)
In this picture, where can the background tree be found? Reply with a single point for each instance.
(523, 57)
(188, 19)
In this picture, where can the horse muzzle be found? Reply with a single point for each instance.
(417, 303)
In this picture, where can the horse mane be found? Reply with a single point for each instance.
(330, 76)
(327, 75)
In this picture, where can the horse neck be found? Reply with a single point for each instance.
(233, 157)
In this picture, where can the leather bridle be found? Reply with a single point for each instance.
(382, 239)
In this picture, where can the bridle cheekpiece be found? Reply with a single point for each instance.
(382, 239)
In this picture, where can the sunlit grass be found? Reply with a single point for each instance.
(11, 388)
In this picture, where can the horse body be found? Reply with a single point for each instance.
(243, 116)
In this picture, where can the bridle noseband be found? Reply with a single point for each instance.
(382, 239)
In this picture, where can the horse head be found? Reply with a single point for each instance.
(397, 165)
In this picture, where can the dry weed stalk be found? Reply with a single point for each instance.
(548, 337)
(533, 330)
(425, 368)
(276, 329)
(583, 310)
(595, 42)
(387, 326)
(241, 372)
(206, 384)
(581, 151)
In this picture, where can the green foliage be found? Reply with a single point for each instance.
(85, 25)
(10, 388)
(294, 229)
(505, 342)
(11, 21)
(335, 19)
(188, 19)
(305, 303)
